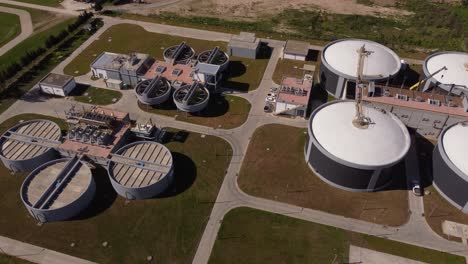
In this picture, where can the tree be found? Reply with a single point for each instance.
(97, 7)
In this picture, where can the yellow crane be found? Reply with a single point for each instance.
(416, 85)
(360, 120)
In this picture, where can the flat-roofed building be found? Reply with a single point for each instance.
(296, 50)
(244, 45)
(121, 67)
(293, 96)
(57, 84)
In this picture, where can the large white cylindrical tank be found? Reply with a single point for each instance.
(340, 64)
(450, 165)
(353, 158)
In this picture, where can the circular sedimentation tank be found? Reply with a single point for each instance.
(29, 144)
(191, 98)
(141, 170)
(58, 190)
(153, 91)
(216, 57)
(179, 54)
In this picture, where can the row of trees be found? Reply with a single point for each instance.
(32, 55)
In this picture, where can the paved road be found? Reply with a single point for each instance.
(416, 231)
(36, 254)
(41, 7)
(26, 28)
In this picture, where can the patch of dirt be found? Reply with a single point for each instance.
(255, 8)
(52, 21)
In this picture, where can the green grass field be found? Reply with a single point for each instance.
(53, 3)
(31, 43)
(274, 168)
(252, 236)
(94, 95)
(244, 74)
(116, 39)
(10, 27)
(38, 17)
(222, 112)
(167, 228)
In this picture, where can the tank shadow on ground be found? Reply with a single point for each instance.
(104, 197)
(185, 174)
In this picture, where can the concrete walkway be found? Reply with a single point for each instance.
(41, 7)
(36, 254)
(26, 28)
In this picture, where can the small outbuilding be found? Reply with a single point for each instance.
(296, 50)
(57, 84)
(244, 45)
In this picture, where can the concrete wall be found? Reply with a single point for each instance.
(144, 192)
(343, 176)
(242, 52)
(62, 213)
(447, 181)
(29, 164)
(331, 82)
(294, 57)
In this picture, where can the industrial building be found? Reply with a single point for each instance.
(30, 144)
(448, 71)
(450, 165)
(179, 54)
(293, 96)
(296, 50)
(153, 91)
(57, 84)
(119, 70)
(338, 70)
(94, 132)
(244, 45)
(191, 98)
(210, 66)
(351, 157)
(141, 170)
(177, 74)
(58, 190)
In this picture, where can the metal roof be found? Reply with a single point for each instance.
(385, 142)
(457, 67)
(115, 61)
(342, 57)
(455, 145)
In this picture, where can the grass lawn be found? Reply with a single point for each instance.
(41, 19)
(33, 76)
(253, 236)
(10, 27)
(289, 68)
(274, 168)
(116, 39)
(436, 208)
(94, 95)
(31, 43)
(7, 259)
(168, 227)
(53, 3)
(246, 74)
(222, 112)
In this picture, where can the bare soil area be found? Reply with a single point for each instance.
(257, 8)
